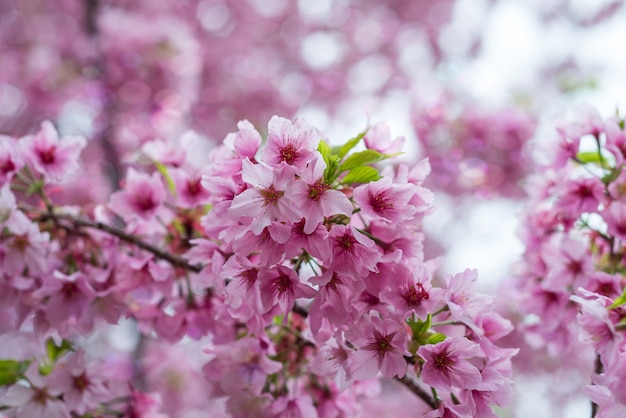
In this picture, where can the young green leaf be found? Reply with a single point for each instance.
(11, 371)
(168, 179)
(345, 148)
(361, 175)
(359, 159)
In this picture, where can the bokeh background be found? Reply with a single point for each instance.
(474, 85)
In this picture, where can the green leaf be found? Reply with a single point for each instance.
(420, 327)
(588, 157)
(361, 175)
(619, 301)
(55, 351)
(324, 149)
(11, 371)
(345, 148)
(435, 338)
(360, 159)
(168, 179)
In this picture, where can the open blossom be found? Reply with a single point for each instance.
(446, 364)
(10, 160)
(53, 157)
(315, 198)
(353, 252)
(381, 345)
(411, 292)
(27, 247)
(290, 143)
(386, 201)
(142, 197)
(270, 197)
(378, 137)
(281, 286)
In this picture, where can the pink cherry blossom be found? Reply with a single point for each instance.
(316, 199)
(446, 364)
(290, 143)
(381, 345)
(53, 157)
(142, 197)
(270, 197)
(281, 286)
(386, 201)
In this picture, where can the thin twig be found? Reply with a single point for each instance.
(421, 393)
(174, 260)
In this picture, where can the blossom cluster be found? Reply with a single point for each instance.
(298, 264)
(572, 277)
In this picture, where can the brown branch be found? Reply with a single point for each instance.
(174, 260)
(421, 393)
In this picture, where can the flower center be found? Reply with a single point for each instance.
(270, 195)
(317, 190)
(415, 294)
(47, 156)
(289, 153)
(380, 203)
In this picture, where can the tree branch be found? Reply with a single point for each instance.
(174, 260)
(421, 393)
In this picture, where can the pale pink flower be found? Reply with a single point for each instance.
(270, 197)
(294, 407)
(577, 196)
(569, 263)
(142, 197)
(381, 345)
(449, 410)
(53, 157)
(378, 138)
(446, 364)
(615, 217)
(67, 296)
(608, 405)
(82, 387)
(35, 400)
(315, 199)
(385, 200)
(27, 247)
(290, 143)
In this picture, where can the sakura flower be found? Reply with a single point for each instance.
(281, 286)
(26, 248)
(294, 407)
(378, 137)
(353, 252)
(381, 345)
(83, 389)
(290, 143)
(68, 296)
(142, 197)
(386, 201)
(615, 217)
(190, 192)
(36, 400)
(449, 410)
(270, 197)
(568, 261)
(10, 160)
(53, 157)
(410, 291)
(581, 195)
(315, 198)
(446, 364)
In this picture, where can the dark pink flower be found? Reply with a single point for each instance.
(446, 364)
(142, 198)
(353, 253)
(281, 286)
(53, 157)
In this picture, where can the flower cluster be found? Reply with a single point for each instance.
(299, 263)
(572, 279)
(475, 150)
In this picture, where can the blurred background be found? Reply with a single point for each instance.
(474, 85)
